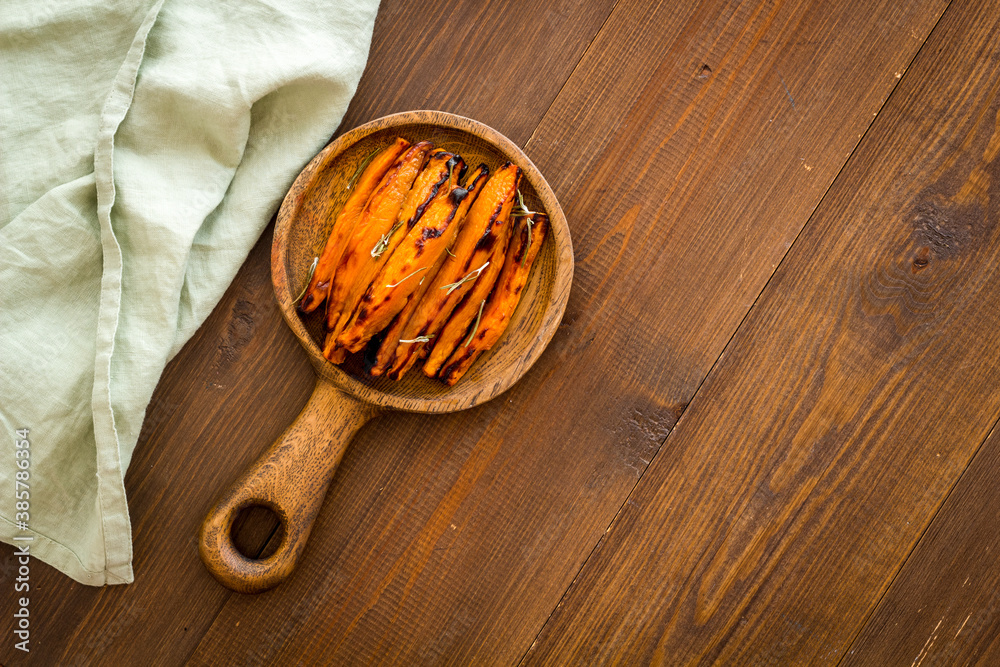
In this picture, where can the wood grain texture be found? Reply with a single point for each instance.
(944, 606)
(464, 539)
(206, 422)
(290, 479)
(298, 239)
(688, 148)
(214, 410)
(843, 411)
(500, 62)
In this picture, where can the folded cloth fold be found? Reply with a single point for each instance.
(144, 145)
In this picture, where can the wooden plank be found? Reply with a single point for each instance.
(944, 606)
(170, 483)
(243, 377)
(501, 62)
(841, 414)
(455, 536)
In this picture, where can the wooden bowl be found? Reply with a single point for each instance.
(292, 476)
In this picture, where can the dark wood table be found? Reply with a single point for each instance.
(764, 433)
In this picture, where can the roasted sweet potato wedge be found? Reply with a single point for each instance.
(394, 341)
(439, 172)
(524, 247)
(401, 276)
(484, 226)
(469, 310)
(357, 266)
(343, 227)
(435, 175)
(386, 354)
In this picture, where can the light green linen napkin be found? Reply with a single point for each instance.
(144, 145)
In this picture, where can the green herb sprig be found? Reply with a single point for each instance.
(361, 167)
(471, 275)
(309, 278)
(408, 277)
(475, 327)
(419, 339)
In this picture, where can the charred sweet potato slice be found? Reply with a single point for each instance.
(393, 352)
(440, 168)
(470, 309)
(524, 247)
(401, 276)
(393, 340)
(357, 266)
(361, 189)
(484, 226)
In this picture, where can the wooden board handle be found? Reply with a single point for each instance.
(291, 479)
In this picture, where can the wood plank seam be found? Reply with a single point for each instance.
(276, 530)
(661, 440)
(726, 348)
(909, 557)
(583, 56)
(988, 430)
(266, 544)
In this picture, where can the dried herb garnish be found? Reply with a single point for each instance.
(361, 168)
(419, 339)
(383, 242)
(522, 211)
(471, 275)
(309, 278)
(408, 277)
(475, 327)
